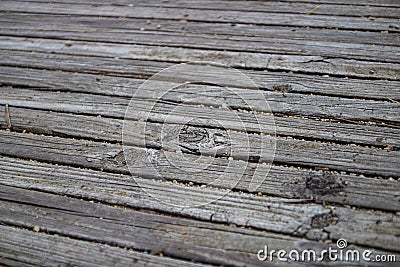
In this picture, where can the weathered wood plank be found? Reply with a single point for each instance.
(280, 181)
(21, 247)
(298, 7)
(176, 237)
(306, 64)
(306, 153)
(289, 216)
(289, 104)
(121, 86)
(351, 23)
(72, 28)
(90, 127)
(245, 32)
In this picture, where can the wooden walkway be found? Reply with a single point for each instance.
(330, 71)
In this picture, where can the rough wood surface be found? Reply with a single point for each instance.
(346, 189)
(75, 191)
(176, 237)
(373, 9)
(95, 127)
(41, 249)
(191, 29)
(297, 217)
(47, 72)
(162, 33)
(305, 64)
(227, 16)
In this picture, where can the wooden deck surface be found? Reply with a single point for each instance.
(329, 70)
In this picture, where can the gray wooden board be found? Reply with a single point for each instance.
(305, 64)
(71, 76)
(88, 29)
(307, 153)
(280, 215)
(83, 48)
(91, 24)
(23, 247)
(191, 97)
(298, 7)
(281, 181)
(94, 127)
(174, 237)
(250, 17)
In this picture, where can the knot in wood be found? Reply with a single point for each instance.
(323, 184)
(193, 135)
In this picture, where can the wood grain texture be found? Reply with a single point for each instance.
(94, 127)
(298, 183)
(373, 9)
(73, 76)
(161, 33)
(304, 64)
(72, 184)
(227, 16)
(245, 32)
(191, 97)
(39, 249)
(175, 237)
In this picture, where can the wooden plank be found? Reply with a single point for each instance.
(176, 237)
(351, 23)
(21, 247)
(76, 126)
(297, 182)
(306, 153)
(297, 7)
(243, 32)
(89, 127)
(121, 86)
(72, 28)
(285, 215)
(306, 64)
(288, 104)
